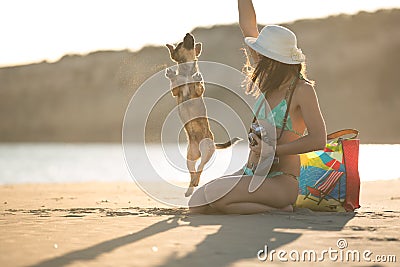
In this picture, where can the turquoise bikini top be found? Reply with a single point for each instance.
(276, 116)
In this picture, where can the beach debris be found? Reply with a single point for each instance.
(109, 212)
(102, 201)
(154, 249)
(74, 215)
(384, 239)
(55, 246)
(120, 213)
(360, 228)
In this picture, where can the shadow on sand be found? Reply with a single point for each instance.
(239, 237)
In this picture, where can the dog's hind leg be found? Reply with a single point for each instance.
(193, 154)
(207, 149)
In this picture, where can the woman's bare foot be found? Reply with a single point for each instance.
(288, 208)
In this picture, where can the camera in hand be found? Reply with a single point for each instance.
(258, 130)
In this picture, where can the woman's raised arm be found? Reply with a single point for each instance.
(247, 18)
(248, 21)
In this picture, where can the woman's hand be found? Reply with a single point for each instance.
(262, 148)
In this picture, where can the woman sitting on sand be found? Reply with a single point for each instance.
(279, 73)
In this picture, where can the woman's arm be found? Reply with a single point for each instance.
(247, 18)
(248, 21)
(316, 137)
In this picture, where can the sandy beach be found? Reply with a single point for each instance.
(116, 224)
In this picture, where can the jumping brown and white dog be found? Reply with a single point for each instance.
(187, 87)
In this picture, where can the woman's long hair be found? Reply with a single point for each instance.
(269, 74)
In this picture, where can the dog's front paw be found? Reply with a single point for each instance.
(197, 77)
(170, 73)
(189, 191)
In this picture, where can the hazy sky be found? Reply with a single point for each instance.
(36, 30)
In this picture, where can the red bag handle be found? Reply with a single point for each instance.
(340, 133)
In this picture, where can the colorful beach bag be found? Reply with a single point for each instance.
(329, 179)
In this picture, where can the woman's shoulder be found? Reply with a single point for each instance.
(304, 91)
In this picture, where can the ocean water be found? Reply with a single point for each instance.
(59, 163)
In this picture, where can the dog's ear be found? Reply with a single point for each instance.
(197, 47)
(171, 49)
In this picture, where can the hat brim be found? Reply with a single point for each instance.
(252, 43)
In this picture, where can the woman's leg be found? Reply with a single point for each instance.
(205, 209)
(279, 192)
(198, 202)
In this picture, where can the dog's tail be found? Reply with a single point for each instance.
(229, 143)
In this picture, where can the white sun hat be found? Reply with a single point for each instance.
(278, 43)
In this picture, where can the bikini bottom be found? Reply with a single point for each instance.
(272, 174)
